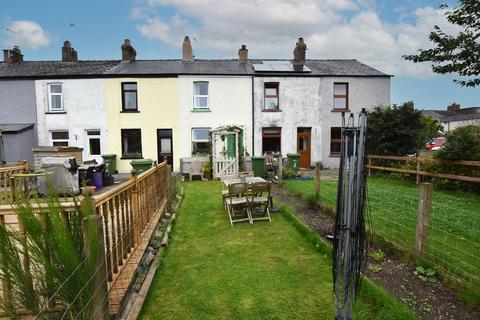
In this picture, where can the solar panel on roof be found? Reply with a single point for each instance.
(277, 66)
(262, 67)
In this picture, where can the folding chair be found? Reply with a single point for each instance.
(259, 201)
(237, 203)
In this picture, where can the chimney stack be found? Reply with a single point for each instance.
(299, 54)
(187, 50)
(68, 53)
(243, 53)
(453, 107)
(128, 52)
(13, 56)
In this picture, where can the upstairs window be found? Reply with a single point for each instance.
(200, 95)
(55, 97)
(60, 138)
(129, 97)
(271, 96)
(131, 144)
(200, 141)
(340, 96)
(335, 140)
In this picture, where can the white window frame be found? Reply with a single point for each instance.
(50, 94)
(60, 140)
(94, 136)
(195, 107)
(201, 140)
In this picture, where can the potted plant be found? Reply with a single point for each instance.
(207, 170)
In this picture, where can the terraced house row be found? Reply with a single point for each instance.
(164, 109)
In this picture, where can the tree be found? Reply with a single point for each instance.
(431, 127)
(458, 54)
(462, 143)
(395, 130)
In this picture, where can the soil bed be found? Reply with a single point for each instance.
(429, 301)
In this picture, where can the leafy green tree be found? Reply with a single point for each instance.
(395, 130)
(462, 143)
(459, 54)
(431, 127)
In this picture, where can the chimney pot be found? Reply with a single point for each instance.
(68, 53)
(299, 54)
(13, 56)
(453, 107)
(187, 50)
(128, 52)
(243, 53)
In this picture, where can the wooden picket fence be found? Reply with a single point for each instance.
(127, 215)
(6, 172)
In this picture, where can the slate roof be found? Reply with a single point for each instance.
(15, 128)
(449, 116)
(39, 69)
(115, 68)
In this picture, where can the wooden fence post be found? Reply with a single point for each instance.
(134, 207)
(318, 168)
(418, 170)
(100, 299)
(369, 166)
(280, 169)
(423, 217)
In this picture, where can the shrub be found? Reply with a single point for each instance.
(60, 263)
(462, 144)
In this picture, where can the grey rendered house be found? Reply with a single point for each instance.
(17, 111)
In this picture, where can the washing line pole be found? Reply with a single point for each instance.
(350, 242)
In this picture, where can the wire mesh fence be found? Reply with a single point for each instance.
(452, 244)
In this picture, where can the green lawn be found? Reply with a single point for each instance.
(278, 270)
(454, 240)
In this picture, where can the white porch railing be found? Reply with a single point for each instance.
(225, 168)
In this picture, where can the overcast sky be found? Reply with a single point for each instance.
(374, 32)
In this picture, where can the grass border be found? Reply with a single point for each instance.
(373, 295)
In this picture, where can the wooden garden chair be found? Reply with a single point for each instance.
(260, 200)
(237, 203)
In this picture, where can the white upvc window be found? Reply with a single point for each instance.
(200, 95)
(60, 138)
(55, 97)
(200, 141)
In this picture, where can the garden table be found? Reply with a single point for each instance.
(248, 180)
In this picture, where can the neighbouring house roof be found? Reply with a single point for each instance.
(15, 128)
(449, 116)
(41, 69)
(115, 68)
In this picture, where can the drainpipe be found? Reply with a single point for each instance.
(253, 120)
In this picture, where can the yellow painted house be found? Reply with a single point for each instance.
(142, 119)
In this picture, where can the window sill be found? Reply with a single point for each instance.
(335, 155)
(341, 110)
(129, 111)
(267, 110)
(131, 158)
(202, 110)
(56, 112)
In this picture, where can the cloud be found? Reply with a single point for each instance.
(331, 29)
(26, 34)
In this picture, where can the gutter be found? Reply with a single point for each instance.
(253, 118)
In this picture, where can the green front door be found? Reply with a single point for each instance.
(230, 145)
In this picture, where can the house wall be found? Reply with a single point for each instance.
(18, 145)
(230, 100)
(83, 101)
(158, 109)
(308, 102)
(17, 106)
(452, 125)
